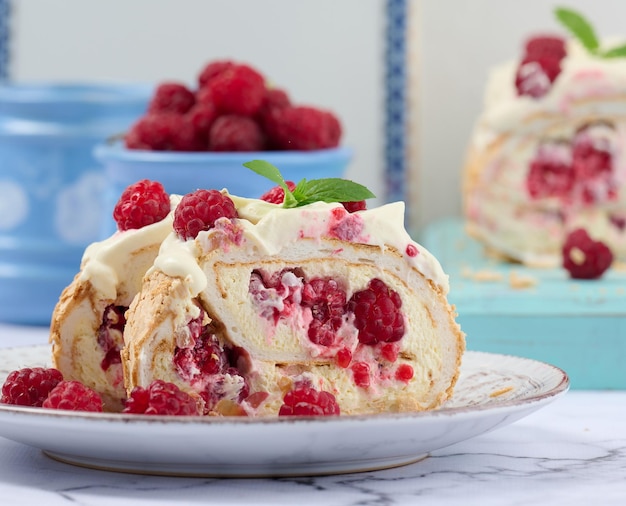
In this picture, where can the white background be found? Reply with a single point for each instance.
(328, 53)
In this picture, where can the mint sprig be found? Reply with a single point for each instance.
(579, 27)
(330, 189)
(582, 29)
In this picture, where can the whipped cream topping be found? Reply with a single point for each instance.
(106, 264)
(583, 76)
(271, 227)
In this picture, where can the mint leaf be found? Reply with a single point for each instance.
(331, 190)
(316, 190)
(615, 52)
(579, 27)
(266, 169)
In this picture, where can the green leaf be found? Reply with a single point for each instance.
(615, 52)
(579, 27)
(334, 190)
(315, 190)
(266, 169)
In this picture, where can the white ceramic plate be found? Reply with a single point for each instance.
(493, 391)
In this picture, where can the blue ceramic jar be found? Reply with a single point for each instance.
(51, 186)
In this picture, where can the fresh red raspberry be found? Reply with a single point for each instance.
(200, 210)
(535, 76)
(162, 132)
(212, 70)
(201, 117)
(551, 173)
(306, 401)
(29, 386)
(546, 46)
(273, 100)
(276, 195)
(353, 207)
(238, 89)
(160, 398)
(74, 396)
(303, 128)
(110, 335)
(377, 314)
(171, 97)
(142, 203)
(327, 301)
(585, 258)
(235, 133)
(151, 132)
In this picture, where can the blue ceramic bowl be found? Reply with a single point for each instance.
(51, 184)
(182, 173)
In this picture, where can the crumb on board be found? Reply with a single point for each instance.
(502, 391)
(619, 266)
(519, 282)
(482, 275)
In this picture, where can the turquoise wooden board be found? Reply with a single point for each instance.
(577, 325)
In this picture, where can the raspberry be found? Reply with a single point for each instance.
(343, 357)
(390, 351)
(353, 207)
(276, 195)
(404, 373)
(550, 173)
(377, 314)
(160, 398)
(276, 296)
(546, 47)
(201, 116)
(142, 203)
(237, 89)
(29, 386)
(585, 258)
(212, 70)
(110, 334)
(171, 97)
(361, 374)
(303, 128)
(534, 77)
(274, 99)
(235, 133)
(200, 210)
(74, 396)
(206, 356)
(151, 132)
(327, 302)
(161, 132)
(306, 401)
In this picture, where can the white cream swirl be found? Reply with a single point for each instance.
(583, 77)
(106, 264)
(271, 228)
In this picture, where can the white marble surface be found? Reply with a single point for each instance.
(571, 452)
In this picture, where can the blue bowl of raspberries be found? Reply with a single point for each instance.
(192, 138)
